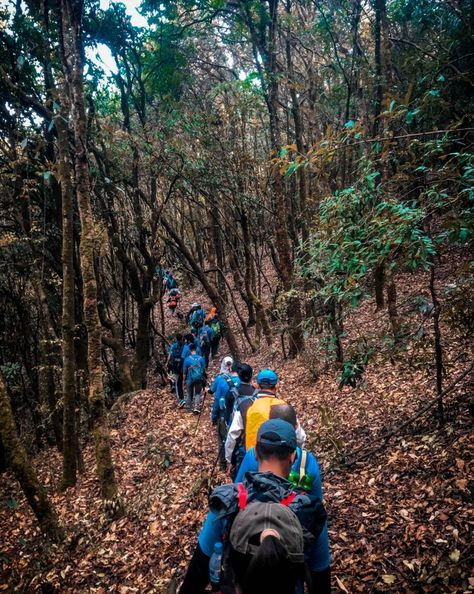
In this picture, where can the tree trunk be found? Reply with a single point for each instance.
(23, 470)
(392, 307)
(72, 34)
(438, 346)
(70, 455)
(379, 285)
(265, 44)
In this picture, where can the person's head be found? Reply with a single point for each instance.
(285, 412)
(276, 447)
(195, 305)
(245, 373)
(267, 379)
(226, 364)
(192, 348)
(179, 337)
(189, 338)
(266, 553)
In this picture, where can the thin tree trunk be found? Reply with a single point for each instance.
(392, 307)
(438, 345)
(70, 455)
(24, 472)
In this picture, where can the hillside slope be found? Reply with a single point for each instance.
(399, 517)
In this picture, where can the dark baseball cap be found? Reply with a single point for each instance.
(277, 433)
(276, 519)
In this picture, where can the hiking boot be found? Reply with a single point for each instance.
(182, 403)
(196, 411)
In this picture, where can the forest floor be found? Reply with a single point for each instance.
(400, 517)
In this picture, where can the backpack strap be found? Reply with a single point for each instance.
(304, 454)
(286, 501)
(242, 495)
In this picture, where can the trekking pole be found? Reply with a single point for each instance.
(214, 466)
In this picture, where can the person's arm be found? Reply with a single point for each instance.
(312, 468)
(235, 431)
(197, 575)
(215, 404)
(248, 463)
(300, 435)
(214, 385)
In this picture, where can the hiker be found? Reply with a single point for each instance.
(304, 475)
(192, 309)
(188, 340)
(174, 297)
(194, 372)
(174, 364)
(211, 313)
(250, 414)
(205, 335)
(224, 388)
(245, 388)
(169, 281)
(241, 515)
(197, 319)
(218, 330)
(245, 392)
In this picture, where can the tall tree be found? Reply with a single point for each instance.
(73, 53)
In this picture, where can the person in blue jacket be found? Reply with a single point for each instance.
(320, 555)
(205, 335)
(276, 447)
(194, 373)
(190, 339)
(224, 388)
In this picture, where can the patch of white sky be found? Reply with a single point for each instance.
(101, 54)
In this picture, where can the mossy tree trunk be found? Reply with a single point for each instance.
(71, 22)
(22, 468)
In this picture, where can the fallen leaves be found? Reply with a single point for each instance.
(399, 521)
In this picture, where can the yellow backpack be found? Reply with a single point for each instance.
(258, 413)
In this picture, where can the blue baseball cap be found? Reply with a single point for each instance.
(277, 433)
(267, 377)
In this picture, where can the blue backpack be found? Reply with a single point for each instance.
(197, 319)
(175, 356)
(196, 370)
(205, 337)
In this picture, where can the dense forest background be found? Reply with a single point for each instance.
(306, 166)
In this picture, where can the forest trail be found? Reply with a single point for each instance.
(398, 520)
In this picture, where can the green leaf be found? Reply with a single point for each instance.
(349, 124)
(291, 169)
(411, 116)
(440, 78)
(434, 92)
(283, 152)
(51, 125)
(46, 175)
(392, 105)
(463, 234)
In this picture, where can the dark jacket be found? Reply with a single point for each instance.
(261, 486)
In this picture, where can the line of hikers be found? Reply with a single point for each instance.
(189, 355)
(266, 532)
